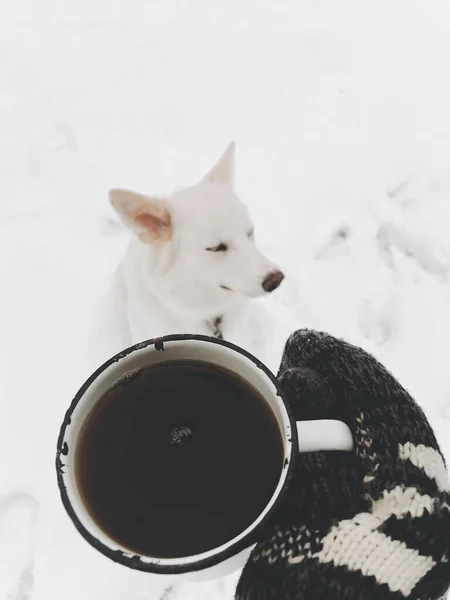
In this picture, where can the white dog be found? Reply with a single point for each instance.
(192, 265)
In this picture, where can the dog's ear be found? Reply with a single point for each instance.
(148, 217)
(223, 170)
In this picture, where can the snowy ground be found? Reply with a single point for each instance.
(340, 112)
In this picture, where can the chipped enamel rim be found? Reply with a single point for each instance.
(173, 347)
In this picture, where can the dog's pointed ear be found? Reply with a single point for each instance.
(148, 217)
(223, 170)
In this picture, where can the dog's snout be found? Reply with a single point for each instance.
(272, 281)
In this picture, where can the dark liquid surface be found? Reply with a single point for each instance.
(178, 459)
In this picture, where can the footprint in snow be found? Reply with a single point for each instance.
(18, 523)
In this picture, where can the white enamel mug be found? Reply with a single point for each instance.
(303, 436)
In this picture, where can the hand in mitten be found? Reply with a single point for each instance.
(371, 524)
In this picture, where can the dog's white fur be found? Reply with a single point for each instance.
(174, 280)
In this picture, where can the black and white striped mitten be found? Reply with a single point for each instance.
(368, 525)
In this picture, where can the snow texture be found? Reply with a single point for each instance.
(340, 111)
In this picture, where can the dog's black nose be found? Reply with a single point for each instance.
(272, 281)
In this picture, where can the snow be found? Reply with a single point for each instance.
(340, 113)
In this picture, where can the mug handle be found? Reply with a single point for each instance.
(324, 434)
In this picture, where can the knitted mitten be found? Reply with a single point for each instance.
(372, 524)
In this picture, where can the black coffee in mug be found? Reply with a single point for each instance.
(178, 458)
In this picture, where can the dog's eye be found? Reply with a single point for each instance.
(251, 233)
(222, 247)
